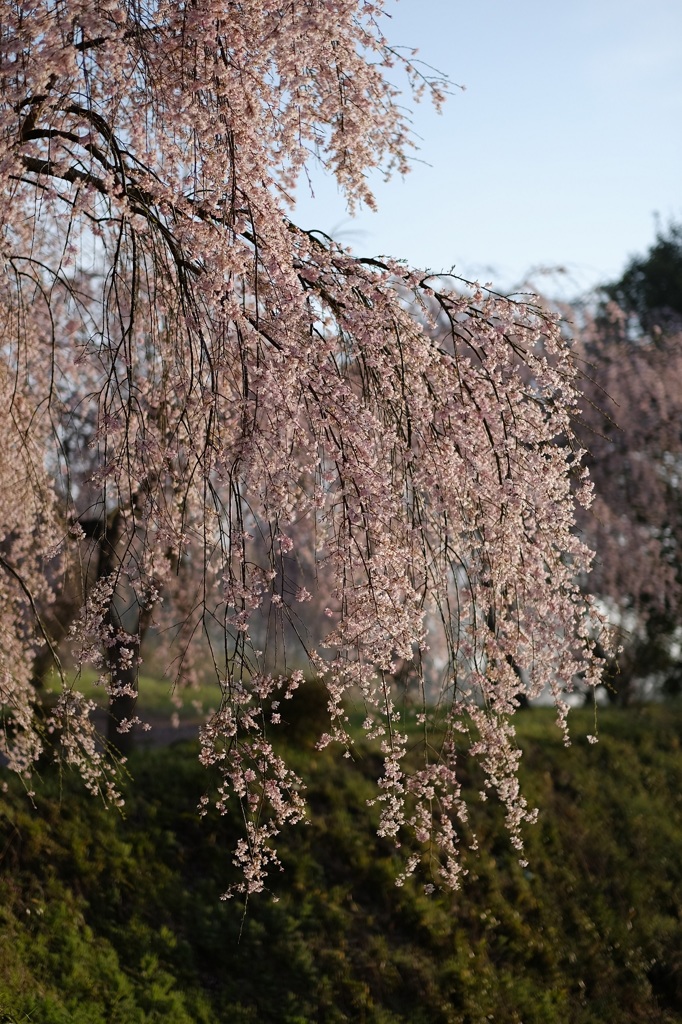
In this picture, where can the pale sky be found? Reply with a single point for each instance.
(565, 144)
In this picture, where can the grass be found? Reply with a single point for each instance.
(117, 918)
(158, 698)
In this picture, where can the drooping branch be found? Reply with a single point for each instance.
(289, 457)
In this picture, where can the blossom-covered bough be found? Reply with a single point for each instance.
(213, 415)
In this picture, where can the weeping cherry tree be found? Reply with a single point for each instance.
(216, 419)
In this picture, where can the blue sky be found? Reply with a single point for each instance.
(565, 144)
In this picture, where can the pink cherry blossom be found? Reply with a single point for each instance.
(232, 432)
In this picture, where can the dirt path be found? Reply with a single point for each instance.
(162, 733)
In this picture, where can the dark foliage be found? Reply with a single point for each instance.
(651, 285)
(117, 919)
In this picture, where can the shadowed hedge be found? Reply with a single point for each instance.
(118, 920)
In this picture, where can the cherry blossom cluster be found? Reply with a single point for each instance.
(293, 455)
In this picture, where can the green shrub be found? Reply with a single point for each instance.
(117, 918)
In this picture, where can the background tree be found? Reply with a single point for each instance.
(650, 288)
(633, 413)
(635, 456)
(214, 394)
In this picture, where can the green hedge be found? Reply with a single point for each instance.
(117, 919)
